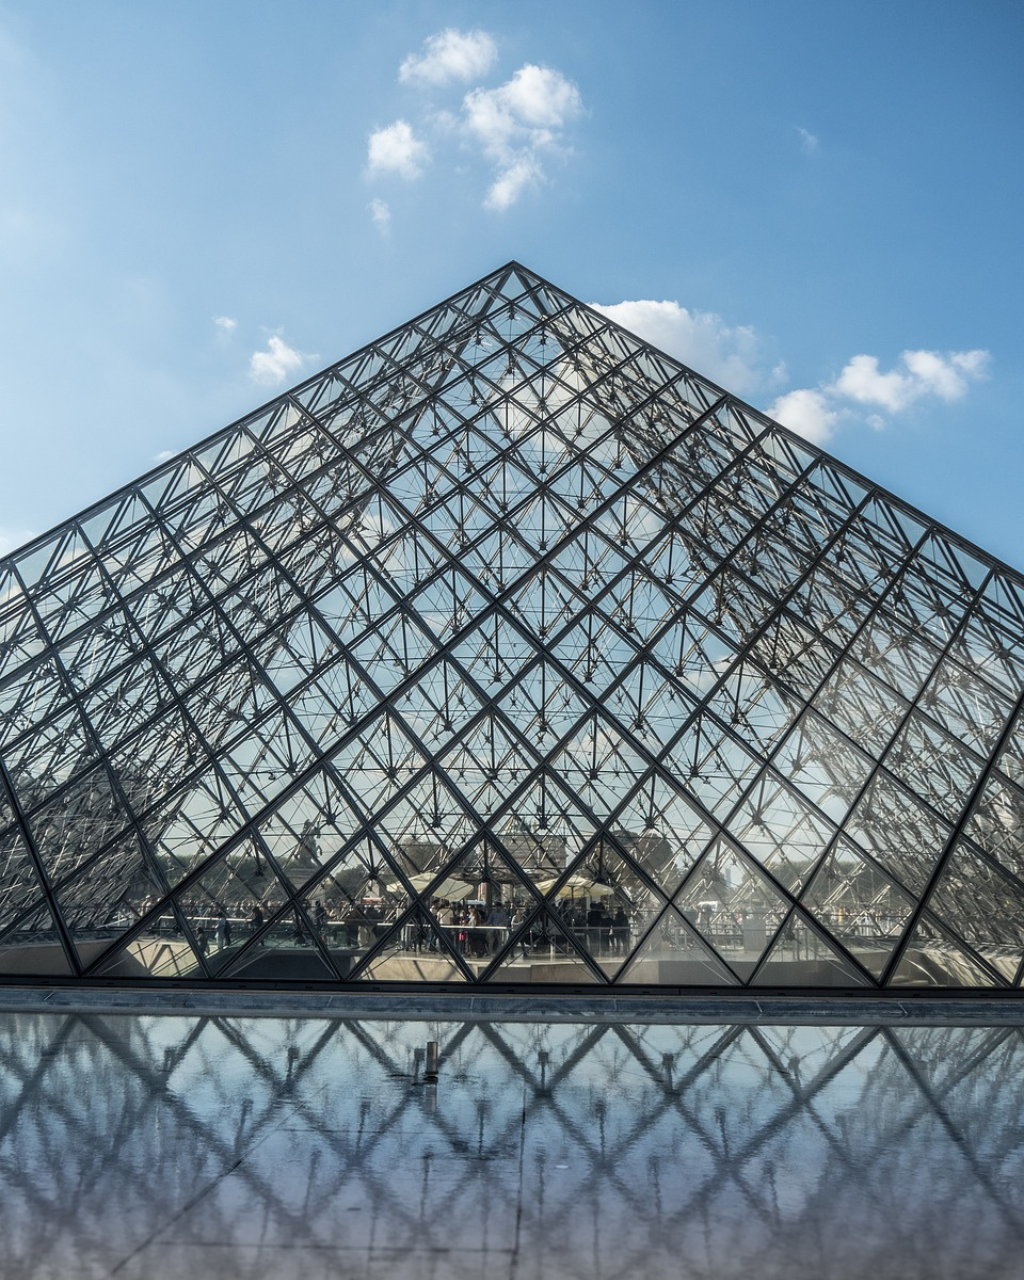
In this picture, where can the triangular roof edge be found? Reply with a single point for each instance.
(965, 544)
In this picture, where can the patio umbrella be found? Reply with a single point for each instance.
(576, 886)
(451, 889)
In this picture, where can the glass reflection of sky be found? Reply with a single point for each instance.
(172, 1147)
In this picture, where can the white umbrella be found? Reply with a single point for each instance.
(451, 890)
(576, 884)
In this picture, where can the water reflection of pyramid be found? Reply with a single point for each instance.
(510, 608)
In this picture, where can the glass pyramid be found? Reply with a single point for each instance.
(509, 650)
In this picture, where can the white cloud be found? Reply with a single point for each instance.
(814, 412)
(806, 412)
(808, 141)
(380, 212)
(510, 183)
(275, 364)
(529, 109)
(450, 55)
(730, 356)
(946, 376)
(396, 149)
(519, 122)
(861, 380)
(225, 323)
(923, 373)
(164, 455)
(973, 364)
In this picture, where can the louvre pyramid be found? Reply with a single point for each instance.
(510, 608)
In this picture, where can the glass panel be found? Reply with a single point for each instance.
(472, 901)
(45, 761)
(78, 823)
(345, 909)
(733, 906)
(979, 903)
(189, 826)
(865, 709)
(673, 953)
(990, 645)
(416, 949)
(997, 823)
(32, 948)
(603, 903)
(662, 832)
(801, 957)
(715, 768)
(933, 765)
(824, 765)
(898, 832)
(288, 950)
(307, 830)
(966, 707)
(544, 830)
(780, 831)
(933, 958)
(221, 905)
(547, 947)
(898, 656)
(108, 895)
(859, 905)
(21, 639)
(20, 887)
(164, 949)
(829, 603)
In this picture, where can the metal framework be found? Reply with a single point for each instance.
(509, 607)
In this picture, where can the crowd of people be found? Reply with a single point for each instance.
(473, 928)
(478, 931)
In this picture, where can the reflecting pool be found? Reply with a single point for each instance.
(153, 1147)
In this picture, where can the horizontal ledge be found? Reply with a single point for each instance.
(821, 1008)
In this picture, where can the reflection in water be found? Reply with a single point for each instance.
(170, 1147)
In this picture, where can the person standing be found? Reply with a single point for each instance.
(620, 931)
(223, 930)
(594, 915)
(498, 919)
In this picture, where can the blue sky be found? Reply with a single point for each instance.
(818, 204)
